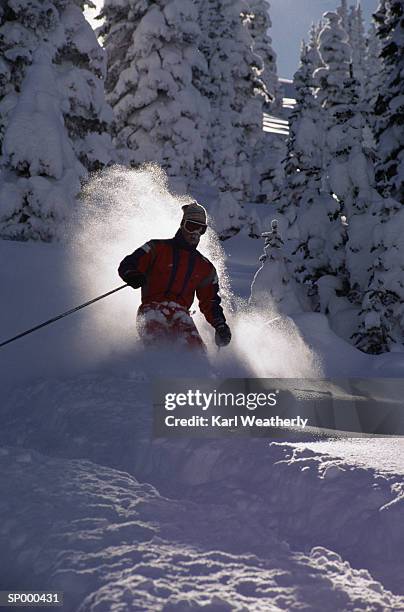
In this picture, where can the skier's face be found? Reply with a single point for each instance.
(192, 237)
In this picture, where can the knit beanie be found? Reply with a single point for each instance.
(194, 212)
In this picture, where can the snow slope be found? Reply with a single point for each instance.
(111, 543)
(386, 456)
(91, 504)
(79, 440)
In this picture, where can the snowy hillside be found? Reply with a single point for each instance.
(234, 525)
(218, 525)
(111, 543)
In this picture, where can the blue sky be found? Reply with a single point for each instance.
(291, 20)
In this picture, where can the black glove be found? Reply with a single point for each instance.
(135, 279)
(222, 335)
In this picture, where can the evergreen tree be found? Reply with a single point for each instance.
(389, 106)
(82, 62)
(376, 70)
(380, 19)
(54, 120)
(334, 94)
(303, 162)
(246, 102)
(269, 151)
(342, 12)
(329, 206)
(382, 315)
(335, 54)
(258, 21)
(153, 86)
(348, 172)
(236, 109)
(378, 316)
(357, 40)
(312, 52)
(272, 284)
(381, 318)
(120, 20)
(305, 208)
(268, 167)
(373, 78)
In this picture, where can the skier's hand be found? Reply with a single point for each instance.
(222, 335)
(135, 279)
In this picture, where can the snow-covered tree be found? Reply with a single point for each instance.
(304, 160)
(389, 106)
(335, 54)
(380, 19)
(119, 21)
(236, 109)
(342, 12)
(381, 320)
(54, 120)
(343, 242)
(376, 316)
(312, 52)
(305, 209)
(382, 315)
(373, 76)
(357, 40)
(161, 115)
(269, 151)
(328, 185)
(348, 163)
(81, 64)
(268, 167)
(272, 284)
(349, 177)
(258, 21)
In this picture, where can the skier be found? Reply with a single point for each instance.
(170, 272)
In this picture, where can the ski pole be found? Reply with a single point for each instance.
(65, 314)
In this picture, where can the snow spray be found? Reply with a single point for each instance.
(120, 210)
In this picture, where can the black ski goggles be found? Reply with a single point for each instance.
(193, 226)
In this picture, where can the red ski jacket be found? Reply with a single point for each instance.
(174, 271)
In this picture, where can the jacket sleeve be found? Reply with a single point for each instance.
(138, 262)
(209, 298)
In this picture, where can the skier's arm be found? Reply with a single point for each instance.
(133, 268)
(208, 295)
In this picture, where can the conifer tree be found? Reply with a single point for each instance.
(269, 151)
(153, 87)
(382, 315)
(54, 120)
(342, 12)
(313, 54)
(348, 172)
(273, 284)
(236, 109)
(335, 97)
(389, 107)
(378, 317)
(357, 40)
(258, 21)
(347, 166)
(304, 206)
(373, 78)
(120, 20)
(304, 160)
